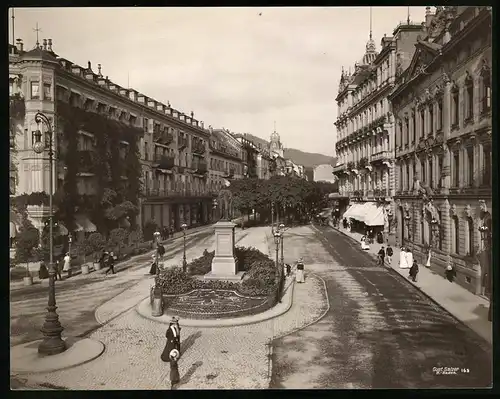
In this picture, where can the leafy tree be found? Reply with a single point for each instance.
(135, 238)
(84, 248)
(26, 242)
(118, 237)
(97, 242)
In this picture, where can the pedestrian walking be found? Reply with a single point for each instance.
(43, 273)
(381, 256)
(288, 270)
(110, 263)
(389, 252)
(174, 368)
(414, 271)
(67, 264)
(173, 339)
(450, 273)
(152, 270)
(299, 277)
(172, 230)
(58, 266)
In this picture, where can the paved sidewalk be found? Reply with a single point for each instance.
(470, 309)
(132, 261)
(212, 358)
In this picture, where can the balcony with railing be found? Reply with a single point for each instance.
(182, 142)
(229, 173)
(199, 147)
(379, 157)
(164, 161)
(200, 167)
(162, 136)
(224, 151)
(86, 161)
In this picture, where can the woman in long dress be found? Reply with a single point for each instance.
(299, 276)
(173, 340)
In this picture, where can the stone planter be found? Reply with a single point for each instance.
(85, 269)
(97, 266)
(157, 307)
(28, 280)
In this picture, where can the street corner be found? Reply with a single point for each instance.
(24, 358)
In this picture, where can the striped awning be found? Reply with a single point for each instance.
(351, 211)
(374, 215)
(84, 224)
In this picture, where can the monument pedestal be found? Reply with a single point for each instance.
(224, 265)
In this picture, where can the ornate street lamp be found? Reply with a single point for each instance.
(184, 263)
(282, 234)
(156, 236)
(52, 343)
(215, 204)
(486, 237)
(277, 241)
(435, 231)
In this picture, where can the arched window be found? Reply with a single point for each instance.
(470, 236)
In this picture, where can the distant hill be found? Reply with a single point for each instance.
(308, 159)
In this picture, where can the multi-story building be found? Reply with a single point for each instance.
(225, 159)
(365, 131)
(249, 156)
(442, 105)
(107, 139)
(263, 163)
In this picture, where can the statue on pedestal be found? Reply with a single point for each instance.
(226, 204)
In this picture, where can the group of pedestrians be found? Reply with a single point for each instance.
(63, 264)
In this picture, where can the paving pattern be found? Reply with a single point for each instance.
(380, 332)
(213, 358)
(77, 299)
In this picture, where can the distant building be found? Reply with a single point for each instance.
(442, 105)
(226, 159)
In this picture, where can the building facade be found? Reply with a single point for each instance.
(442, 105)
(365, 131)
(120, 123)
(225, 159)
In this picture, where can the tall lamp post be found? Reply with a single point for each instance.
(215, 204)
(52, 342)
(156, 236)
(184, 263)
(277, 240)
(282, 234)
(70, 240)
(486, 237)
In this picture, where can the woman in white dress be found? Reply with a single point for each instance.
(299, 276)
(364, 244)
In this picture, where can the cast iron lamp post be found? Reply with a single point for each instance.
(156, 236)
(215, 204)
(52, 343)
(277, 240)
(282, 234)
(184, 263)
(486, 238)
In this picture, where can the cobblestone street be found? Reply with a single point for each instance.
(213, 358)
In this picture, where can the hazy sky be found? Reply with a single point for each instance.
(237, 68)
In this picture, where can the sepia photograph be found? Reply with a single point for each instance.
(258, 198)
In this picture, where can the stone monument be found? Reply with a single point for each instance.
(224, 265)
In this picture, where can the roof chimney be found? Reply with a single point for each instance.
(19, 45)
(45, 44)
(99, 69)
(192, 114)
(89, 66)
(49, 44)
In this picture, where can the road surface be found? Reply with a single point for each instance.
(380, 332)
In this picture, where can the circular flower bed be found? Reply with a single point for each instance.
(258, 290)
